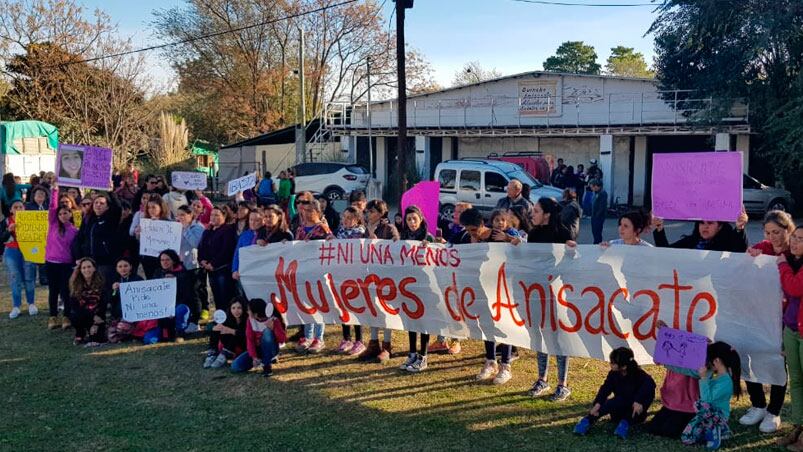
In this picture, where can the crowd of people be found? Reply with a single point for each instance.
(86, 265)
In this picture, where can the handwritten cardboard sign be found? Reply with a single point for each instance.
(148, 300)
(680, 348)
(697, 186)
(241, 184)
(32, 228)
(84, 166)
(156, 236)
(424, 195)
(188, 180)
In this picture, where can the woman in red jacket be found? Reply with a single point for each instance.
(789, 266)
(778, 228)
(263, 335)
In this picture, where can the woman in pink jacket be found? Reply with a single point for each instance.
(58, 260)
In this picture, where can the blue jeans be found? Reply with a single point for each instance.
(563, 367)
(314, 331)
(222, 288)
(596, 229)
(21, 275)
(268, 349)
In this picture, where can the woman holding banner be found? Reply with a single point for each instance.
(215, 254)
(21, 274)
(707, 235)
(313, 227)
(58, 260)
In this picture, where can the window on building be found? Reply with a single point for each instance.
(447, 179)
(495, 182)
(470, 180)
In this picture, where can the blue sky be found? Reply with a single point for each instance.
(507, 35)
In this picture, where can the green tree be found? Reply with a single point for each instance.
(626, 62)
(740, 51)
(473, 72)
(573, 57)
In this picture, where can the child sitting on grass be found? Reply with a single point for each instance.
(228, 338)
(263, 335)
(633, 391)
(89, 304)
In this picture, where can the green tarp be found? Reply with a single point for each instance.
(15, 130)
(204, 148)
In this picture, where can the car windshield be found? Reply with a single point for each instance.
(525, 178)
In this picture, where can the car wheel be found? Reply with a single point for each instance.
(333, 194)
(447, 212)
(777, 204)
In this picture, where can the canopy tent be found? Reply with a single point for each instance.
(206, 157)
(28, 147)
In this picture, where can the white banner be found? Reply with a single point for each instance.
(188, 180)
(542, 297)
(156, 236)
(241, 184)
(147, 300)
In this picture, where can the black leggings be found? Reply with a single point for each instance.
(505, 350)
(759, 400)
(621, 409)
(668, 423)
(58, 283)
(83, 320)
(357, 332)
(231, 343)
(412, 336)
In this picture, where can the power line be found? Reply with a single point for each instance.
(206, 36)
(604, 5)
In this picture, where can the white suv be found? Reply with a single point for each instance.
(483, 183)
(333, 180)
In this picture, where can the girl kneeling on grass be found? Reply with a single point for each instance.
(263, 335)
(227, 339)
(720, 380)
(89, 303)
(415, 228)
(633, 391)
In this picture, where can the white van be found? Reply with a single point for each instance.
(483, 183)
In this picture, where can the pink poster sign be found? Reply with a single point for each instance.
(697, 186)
(424, 195)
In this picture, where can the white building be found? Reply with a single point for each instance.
(619, 121)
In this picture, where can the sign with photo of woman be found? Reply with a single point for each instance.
(84, 166)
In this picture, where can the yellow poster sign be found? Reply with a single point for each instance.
(32, 234)
(77, 218)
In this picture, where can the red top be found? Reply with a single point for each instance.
(13, 242)
(765, 246)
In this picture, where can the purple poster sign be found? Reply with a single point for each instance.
(424, 195)
(680, 348)
(697, 186)
(84, 166)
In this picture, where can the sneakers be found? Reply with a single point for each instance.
(455, 348)
(539, 388)
(267, 370)
(14, 313)
(409, 362)
(345, 346)
(220, 361)
(52, 323)
(438, 347)
(210, 358)
(621, 429)
(191, 328)
(582, 427)
(372, 351)
(753, 416)
(418, 365)
(205, 314)
(384, 355)
(357, 349)
(712, 439)
(504, 375)
(302, 345)
(32, 309)
(316, 346)
(561, 393)
(65, 323)
(488, 370)
(770, 424)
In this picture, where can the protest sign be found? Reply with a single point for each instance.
(425, 196)
(241, 184)
(32, 234)
(156, 236)
(544, 297)
(188, 180)
(148, 300)
(84, 166)
(680, 348)
(697, 186)
(77, 218)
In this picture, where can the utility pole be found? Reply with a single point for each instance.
(301, 128)
(368, 117)
(401, 143)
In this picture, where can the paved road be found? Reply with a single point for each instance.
(674, 231)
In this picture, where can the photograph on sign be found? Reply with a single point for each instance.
(84, 166)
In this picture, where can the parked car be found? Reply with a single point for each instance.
(333, 180)
(759, 198)
(483, 183)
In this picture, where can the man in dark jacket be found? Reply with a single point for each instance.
(514, 197)
(599, 207)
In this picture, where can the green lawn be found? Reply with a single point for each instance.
(56, 396)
